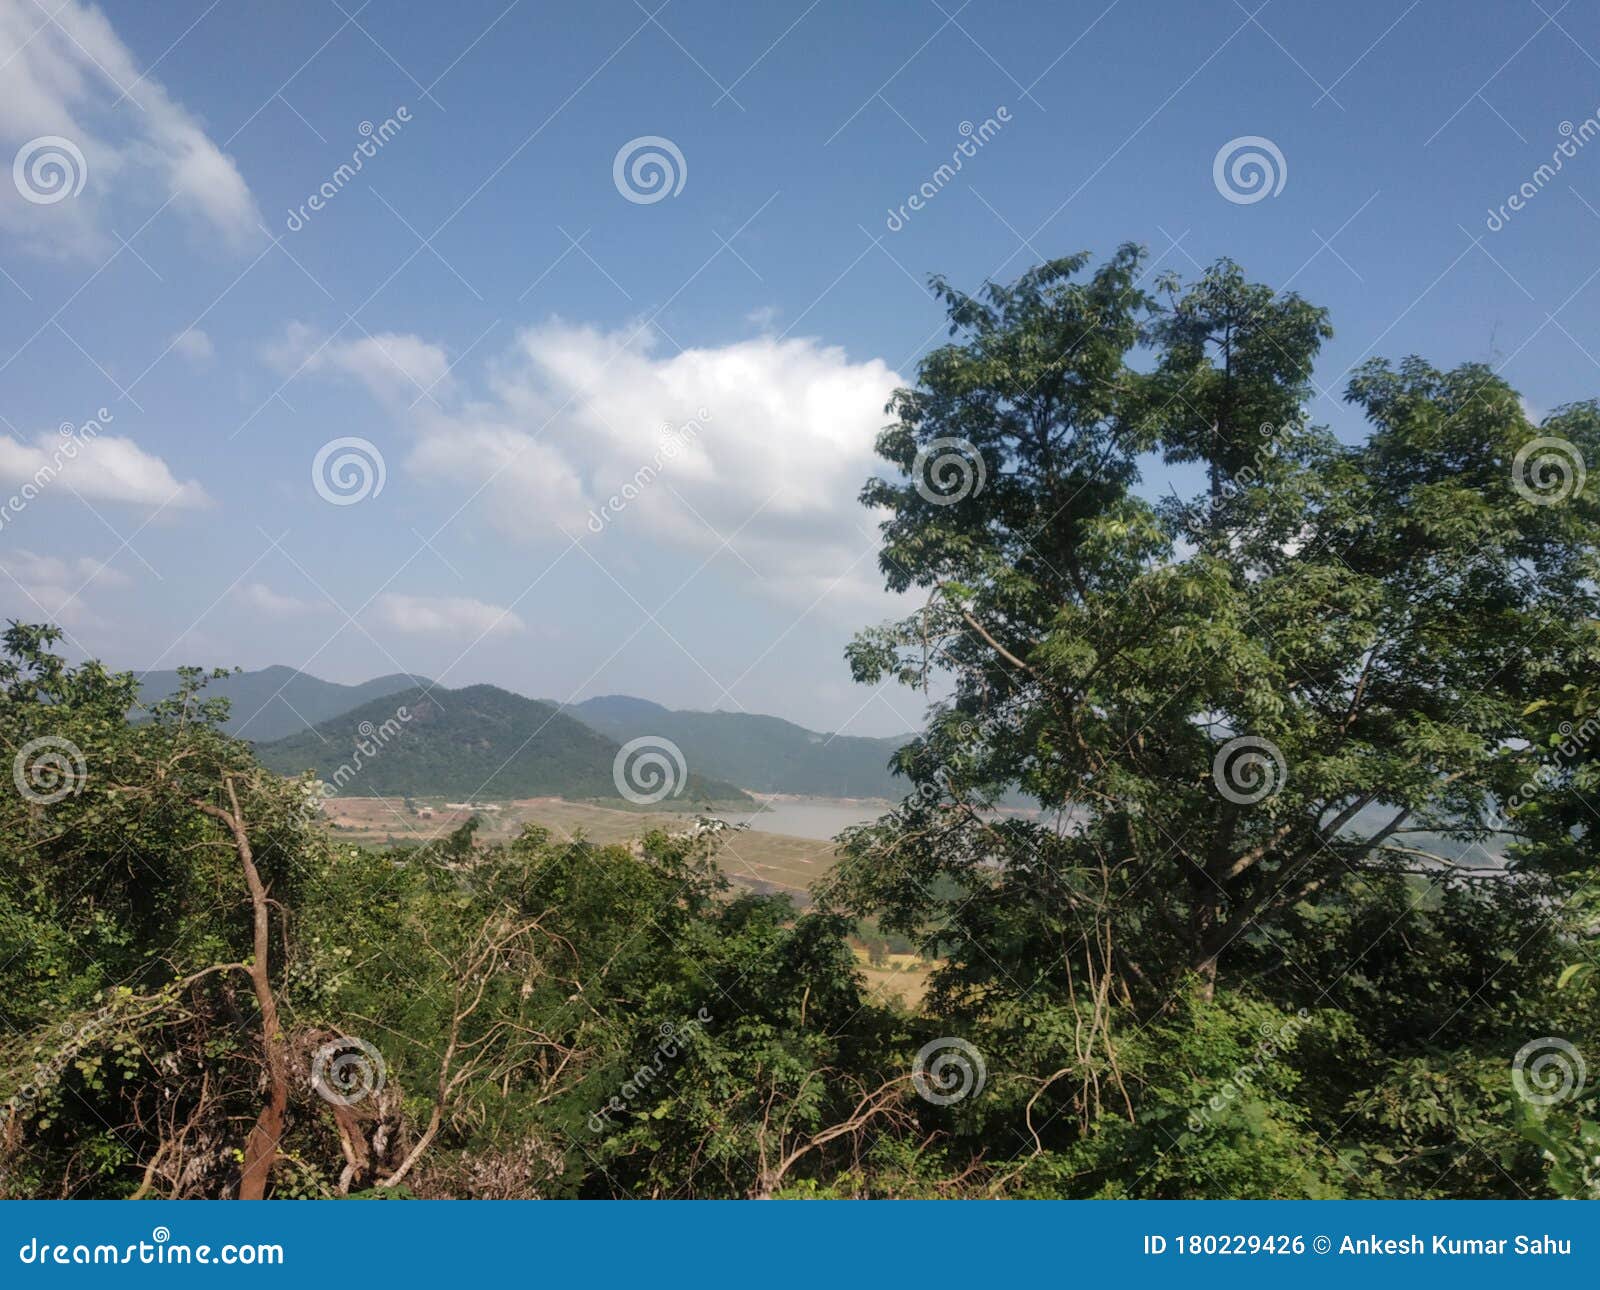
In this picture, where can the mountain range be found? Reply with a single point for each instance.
(279, 701)
(487, 742)
(766, 754)
(474, 743)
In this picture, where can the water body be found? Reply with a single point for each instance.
(818, 818)
(824, 818)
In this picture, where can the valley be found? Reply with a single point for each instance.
(757, 858)
(407, 761)
(763, 860)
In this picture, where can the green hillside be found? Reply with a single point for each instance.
(476, 742)
(276, 702)
(765, 754)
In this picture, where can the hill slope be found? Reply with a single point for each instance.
(477, 742)
(766, 754)
(279, 701)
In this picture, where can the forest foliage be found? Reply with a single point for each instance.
(1233, 956)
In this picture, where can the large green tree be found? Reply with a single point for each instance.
(1255, 710)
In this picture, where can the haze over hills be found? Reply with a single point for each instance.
(279, 701)
(294, 715)
(764, 754)
(478, 742)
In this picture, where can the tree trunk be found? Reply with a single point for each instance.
(261, 1147)
(1205, 967)
(1203, 933)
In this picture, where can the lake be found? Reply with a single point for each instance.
(812, 817)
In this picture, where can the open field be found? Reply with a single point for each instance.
(751, 858)
(898, 976)
(754, 858)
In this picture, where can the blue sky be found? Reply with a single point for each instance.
(516, 337)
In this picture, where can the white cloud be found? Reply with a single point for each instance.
(194, 344)
(30, 567)
(771, 441)
(68, 74)
(395, 367)
(259, 596)
(458, 616)
(34, 586)
(104, 468)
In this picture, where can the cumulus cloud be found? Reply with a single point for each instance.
(69, 78)
(453, 616)
(194, 344)
(763, 442)
(103, 468)
(396, 368)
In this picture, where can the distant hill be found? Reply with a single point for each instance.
(279, 701)
(289, 714)
(765, 754)
(477, 742)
